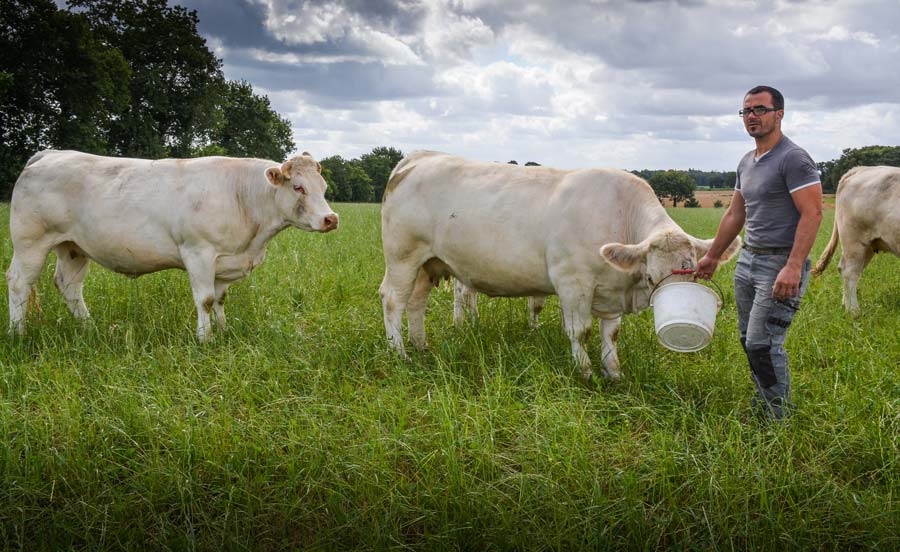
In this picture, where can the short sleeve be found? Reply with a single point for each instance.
(800, 170)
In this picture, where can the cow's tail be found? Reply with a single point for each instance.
(823, 261)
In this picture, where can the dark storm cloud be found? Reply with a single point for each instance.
(238, 24)
(329, 85)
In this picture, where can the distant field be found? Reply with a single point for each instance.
(297, 429)
(708, 198)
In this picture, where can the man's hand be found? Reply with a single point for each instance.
(706, 267)
(787, 284)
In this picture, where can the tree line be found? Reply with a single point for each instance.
(130, 78)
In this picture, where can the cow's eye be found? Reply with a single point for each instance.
(300, 189)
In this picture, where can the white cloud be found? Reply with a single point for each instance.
(450, 37)
(311, 23)
(838, 33)
(581, 83)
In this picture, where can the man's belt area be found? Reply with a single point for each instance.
(768, 250)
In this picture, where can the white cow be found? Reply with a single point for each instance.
(465, 303)
(866, 220)
(597, 238)
(210, 216)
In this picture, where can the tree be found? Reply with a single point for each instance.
(832, 171)
(248, 126)
(675, 185)
(175, 79)
(729, 179)
(378, 166)
(336, 172)
(61, 86)
(359, 183)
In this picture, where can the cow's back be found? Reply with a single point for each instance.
(436, 189)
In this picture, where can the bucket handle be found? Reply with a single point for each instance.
(683, 272)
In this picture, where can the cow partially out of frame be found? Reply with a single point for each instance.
(866, 222)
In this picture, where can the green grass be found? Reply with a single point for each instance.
(297, 429)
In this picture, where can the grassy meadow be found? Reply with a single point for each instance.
(297, 429)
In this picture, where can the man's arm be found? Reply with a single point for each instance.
(729, 227)
(809, 202)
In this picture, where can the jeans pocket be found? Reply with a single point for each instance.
(780, 317)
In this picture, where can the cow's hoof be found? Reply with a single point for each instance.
(400, 353)
(612, 375)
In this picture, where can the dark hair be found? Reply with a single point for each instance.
(777, 98)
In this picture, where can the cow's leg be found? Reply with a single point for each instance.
(201, 269)
(854, 259)
(71, 268)
(415, 310)
(609, 331)
(575, 303)
(24, 271)
(219, 305)
(465, 303)
(535, 306)
(396, 287)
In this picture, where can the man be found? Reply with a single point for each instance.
(778, 196)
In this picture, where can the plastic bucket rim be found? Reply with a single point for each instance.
(719, 299)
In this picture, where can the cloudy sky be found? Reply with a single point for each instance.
(632, 84)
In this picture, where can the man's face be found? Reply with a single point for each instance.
(759, 126)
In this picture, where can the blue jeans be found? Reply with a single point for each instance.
(763, 323)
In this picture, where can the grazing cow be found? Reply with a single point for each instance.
(465, 302)
(211, 216)
(597, 238)
(866, 220)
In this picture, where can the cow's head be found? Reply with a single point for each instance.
(656, 257)
(300, 194)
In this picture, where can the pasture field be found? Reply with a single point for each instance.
(297, 429)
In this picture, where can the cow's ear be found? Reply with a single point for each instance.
(274, 176)
(286, 169)
(627, 258)
(702, 246)
(318, 167)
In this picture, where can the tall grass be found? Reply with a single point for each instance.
(297, 429)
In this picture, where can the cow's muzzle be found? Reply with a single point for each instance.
(330, 222)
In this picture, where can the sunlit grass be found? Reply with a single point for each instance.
(297, 429)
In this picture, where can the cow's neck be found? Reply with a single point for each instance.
(258, 207)
(648, 220)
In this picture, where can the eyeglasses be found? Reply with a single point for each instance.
(758, 110)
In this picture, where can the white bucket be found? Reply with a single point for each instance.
(684, 314)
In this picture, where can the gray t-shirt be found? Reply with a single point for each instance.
(766, 185)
